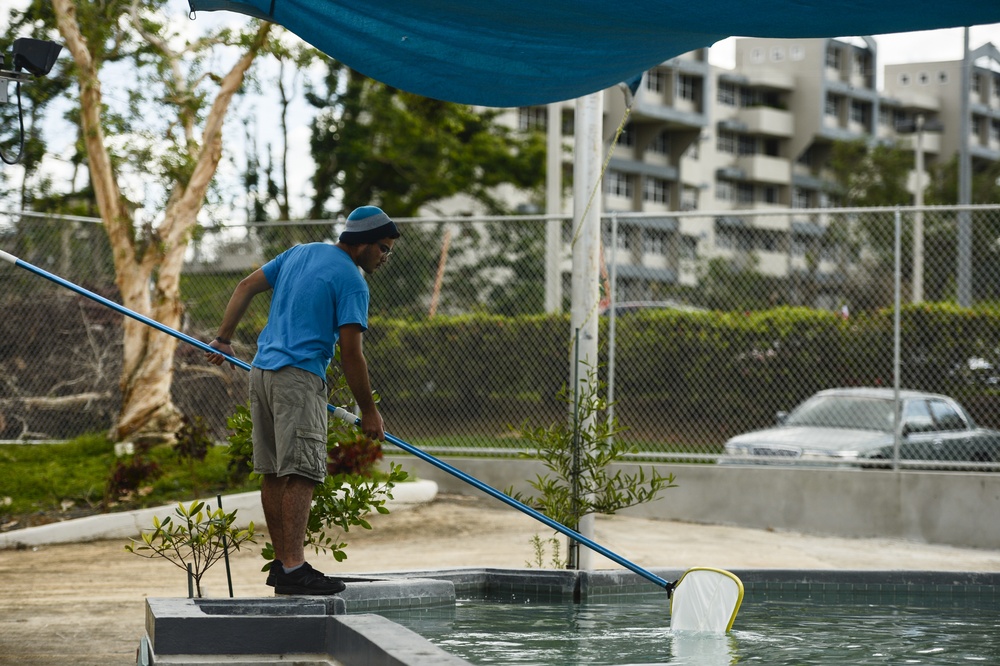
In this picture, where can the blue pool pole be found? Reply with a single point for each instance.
(120, 308)
(347, 416)
(342, 413)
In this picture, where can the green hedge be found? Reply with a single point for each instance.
(733, 368)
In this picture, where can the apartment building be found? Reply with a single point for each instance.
(758, 138)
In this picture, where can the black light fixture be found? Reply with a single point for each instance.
(31, 58)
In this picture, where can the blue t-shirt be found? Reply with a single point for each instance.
(317, 289)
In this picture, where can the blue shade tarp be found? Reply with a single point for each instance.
(523, 52)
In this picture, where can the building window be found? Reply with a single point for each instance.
(799, 246)
(860, 63)
(833, 57)
(568, 122)
(747, 144)
(661, 144)
(622, 238)
(727, 94)
(619, 184)
(532, 118)
(744, 192)
(655, 241)
(800, 198)
(687, 87)
(903, 78)
(627, 137)
(726, 142)
(975, 82)
(923, 78)
(859, 112)
(689, 198)
(832, 106)
(688, 248)
(770, 194)
(656, 80)
(656, 190)
(725, 239)
(724, 190)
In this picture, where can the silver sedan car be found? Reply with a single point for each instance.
(855, 426)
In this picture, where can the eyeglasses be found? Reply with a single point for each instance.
(386, 250)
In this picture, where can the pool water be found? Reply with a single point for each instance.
(771, 633)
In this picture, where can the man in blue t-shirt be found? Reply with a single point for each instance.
(319, 297)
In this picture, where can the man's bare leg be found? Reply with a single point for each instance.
(272, 491)
(296, 502)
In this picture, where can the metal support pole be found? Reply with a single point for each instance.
(918, 217)
(964, 268)
(588, 153)
(896, 303)
(612, 317)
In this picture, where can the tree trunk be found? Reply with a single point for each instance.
(147, 411)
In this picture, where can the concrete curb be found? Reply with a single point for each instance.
(129, 524)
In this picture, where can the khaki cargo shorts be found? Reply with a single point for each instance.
(288, 408)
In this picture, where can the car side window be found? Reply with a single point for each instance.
(917, 416)
(946, 417)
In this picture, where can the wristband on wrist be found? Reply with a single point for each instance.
(223, 340)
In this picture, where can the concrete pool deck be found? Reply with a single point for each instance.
(83, 603)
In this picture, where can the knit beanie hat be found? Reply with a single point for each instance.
(368, 224)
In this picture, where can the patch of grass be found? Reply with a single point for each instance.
(72, 478)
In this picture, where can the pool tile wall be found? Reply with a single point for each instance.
(311, 624)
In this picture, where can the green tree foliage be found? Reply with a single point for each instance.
(579, 455)
(877, 176)
(871, 175)
(150, 106)
(199, 538)
(374, 144)
(739, 286)
(940, 233)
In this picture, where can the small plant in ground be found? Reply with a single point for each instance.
(127, 477)
(240, 444)
(579, 453)
(199, 537)
(193, 439)
(358, 455)
(539, 546)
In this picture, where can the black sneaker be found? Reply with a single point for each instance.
(306, 580)
(272, 573)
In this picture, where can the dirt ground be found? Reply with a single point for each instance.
(84, 603)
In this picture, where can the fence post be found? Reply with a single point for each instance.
(897, 301)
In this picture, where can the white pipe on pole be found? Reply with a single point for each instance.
(553, 206)
(588, 154)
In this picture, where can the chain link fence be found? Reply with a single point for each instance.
(710, 324)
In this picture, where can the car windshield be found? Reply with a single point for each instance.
(837, 411)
